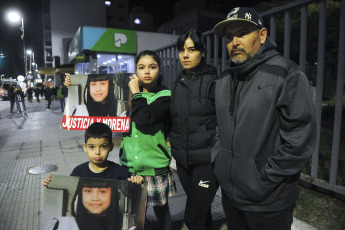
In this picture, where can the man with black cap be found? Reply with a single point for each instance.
(266, 127)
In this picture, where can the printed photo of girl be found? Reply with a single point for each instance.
(98, 97)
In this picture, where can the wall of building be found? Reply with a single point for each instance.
(153, 41)
(117, 14)
(67, 16)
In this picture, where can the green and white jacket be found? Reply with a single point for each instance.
(143, 149)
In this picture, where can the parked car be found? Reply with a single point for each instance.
(4, 88)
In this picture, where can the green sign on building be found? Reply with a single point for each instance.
(102, 40)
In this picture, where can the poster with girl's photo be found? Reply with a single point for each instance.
(76, 203)
(97, 98)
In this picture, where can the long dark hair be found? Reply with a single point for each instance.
(160, 77)
(85, 220)
(197, 38)
(109, 108)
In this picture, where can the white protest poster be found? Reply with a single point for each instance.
(97, 98)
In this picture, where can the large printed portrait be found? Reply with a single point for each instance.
(97, 97)
(75, 203)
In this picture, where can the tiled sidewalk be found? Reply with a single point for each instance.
(37, 141)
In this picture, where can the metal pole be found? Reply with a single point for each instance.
(319, 86)
(339, 98)
(287, 34)
(22, 29)
(30, 61)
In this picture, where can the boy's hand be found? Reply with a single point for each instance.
(47, 180)
(67, 81)
(136, 179)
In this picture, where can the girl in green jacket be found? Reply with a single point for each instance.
(143, 149)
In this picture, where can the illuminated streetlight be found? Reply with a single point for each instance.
(14, 17)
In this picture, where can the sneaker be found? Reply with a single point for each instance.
(48, 110)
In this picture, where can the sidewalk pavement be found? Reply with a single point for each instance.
(38, 140)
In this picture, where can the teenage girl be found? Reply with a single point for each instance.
(143, 150)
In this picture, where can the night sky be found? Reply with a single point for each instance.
(10, 33)
(31, 11)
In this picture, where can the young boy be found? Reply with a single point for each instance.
(97, 146)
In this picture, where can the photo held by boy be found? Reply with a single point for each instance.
(98, 144)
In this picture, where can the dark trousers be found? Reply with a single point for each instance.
(244, 220)
(49, 102)
(11, 105)
(200, 186)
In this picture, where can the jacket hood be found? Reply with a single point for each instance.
(248, 69)
(201, 70)
(155, 89)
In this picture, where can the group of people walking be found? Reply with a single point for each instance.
(16, 95)
(34, 91)
(248, 130)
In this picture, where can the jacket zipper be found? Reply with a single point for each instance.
(236, 105)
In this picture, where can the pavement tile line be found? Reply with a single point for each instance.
(38, 140)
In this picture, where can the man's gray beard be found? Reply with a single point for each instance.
(240, 61)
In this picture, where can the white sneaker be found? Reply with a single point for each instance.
(48, 110)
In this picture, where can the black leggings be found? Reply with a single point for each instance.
(200, 186)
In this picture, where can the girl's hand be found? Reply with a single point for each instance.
(136, 179)
(47, 180)
(67, 81)
(134, 84)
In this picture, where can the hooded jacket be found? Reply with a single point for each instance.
(193, 116)
(143, 149)
(266, 131)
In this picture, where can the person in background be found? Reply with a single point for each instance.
(61, 98)
(11, 96)
(30, 92)
(48, 96)
(143, 149)
(20, 98)
(37, 93)
(266, 127)
(192, 135)
(42, 90)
